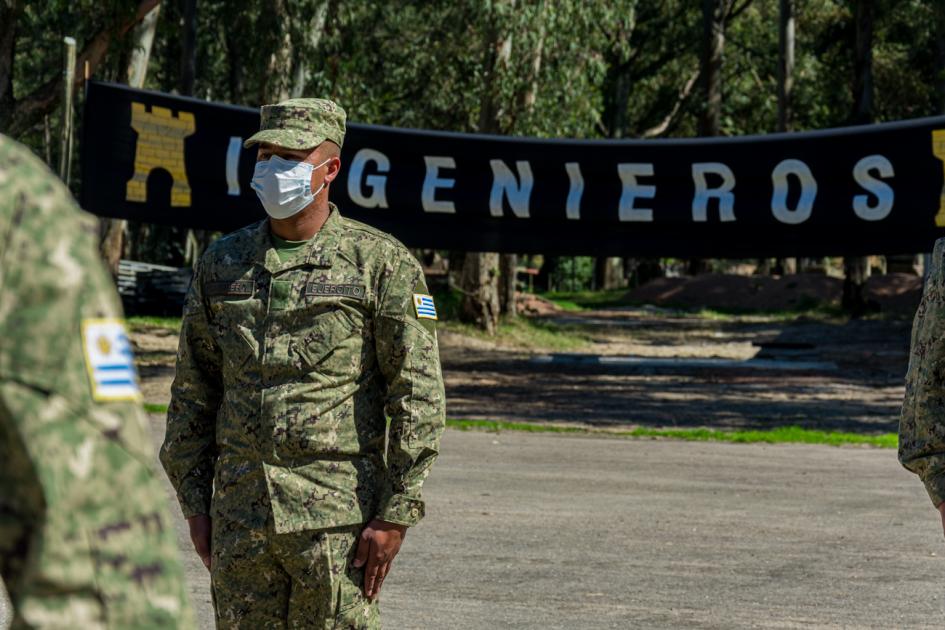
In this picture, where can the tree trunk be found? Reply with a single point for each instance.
(280, 61)
(786, 65)
(234, 54)
(19, 115)
(785, 92)
(714, 13)
(113, 238)
(547, 273)
(863, 66)
(713, 41)
(507, 284)
(857, 269)
(480, 270)
(314, 30)
(9, 16)
(481, 291)
(188, 48)
(940, 56)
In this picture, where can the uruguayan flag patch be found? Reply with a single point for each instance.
(424, 306)
(109, 361)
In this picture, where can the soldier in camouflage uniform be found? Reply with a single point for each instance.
(300, 333)
(86, 540)
(922, 425)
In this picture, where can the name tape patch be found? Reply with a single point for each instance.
(109, 360)
(424, 306)
(346, 290)
(238, 287)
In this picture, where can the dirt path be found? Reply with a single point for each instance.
(486, 381)
(863, 393)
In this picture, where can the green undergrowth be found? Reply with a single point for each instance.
(780, 435)
(141, 323)
(583, 300)
(522, 332)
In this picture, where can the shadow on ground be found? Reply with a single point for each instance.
(863, 394)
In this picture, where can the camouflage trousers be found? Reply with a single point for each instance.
(261, 579)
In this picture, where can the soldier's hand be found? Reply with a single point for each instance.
(379, 543)
(200, 536)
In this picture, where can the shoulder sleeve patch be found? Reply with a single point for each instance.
(424, 306)
(109, 361)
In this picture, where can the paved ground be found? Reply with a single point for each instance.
(548, 531)
(552, 531)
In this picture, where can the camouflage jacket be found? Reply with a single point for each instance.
(922, 424)
(86, 538)
(285, 372)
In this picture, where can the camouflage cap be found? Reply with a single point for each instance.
(300, 123)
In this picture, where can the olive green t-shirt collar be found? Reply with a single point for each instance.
(317, 251)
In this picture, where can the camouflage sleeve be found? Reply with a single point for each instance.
(85, 534)
(410, 361)
(922, 423)
(189, 450)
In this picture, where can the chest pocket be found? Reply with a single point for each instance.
(327, 337)
(234, 313)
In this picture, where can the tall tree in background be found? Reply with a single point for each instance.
(188, 48)
(113, 232)
(480, 279)
(714, 14)
(525, 106)
(313, 28)
(23, 114)
(856, 269)
(786, 89)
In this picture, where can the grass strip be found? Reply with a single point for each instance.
(780, 435)
(143, 322)
(526, 333)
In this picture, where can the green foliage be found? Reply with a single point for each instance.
(144, 323)
(579, 300)
(527, 334)
(607, 68)
(779, 435)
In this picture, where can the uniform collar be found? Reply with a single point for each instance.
(318, 252)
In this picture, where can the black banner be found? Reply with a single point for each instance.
(878, 189)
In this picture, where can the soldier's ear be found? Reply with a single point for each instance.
(334, 167)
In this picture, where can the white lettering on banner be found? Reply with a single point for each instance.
(432, 181)
(504, 183)
(713, 181)
(632, 190)
(377, 183)
(233, 166)
(779, 180)
(573, 204)
(723, 193)
(883, 191)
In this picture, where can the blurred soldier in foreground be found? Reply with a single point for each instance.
(85, 536)
(299, 333)
(922, 425)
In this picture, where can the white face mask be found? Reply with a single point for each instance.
(283, 186)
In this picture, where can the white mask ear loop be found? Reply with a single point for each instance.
(315, 194)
